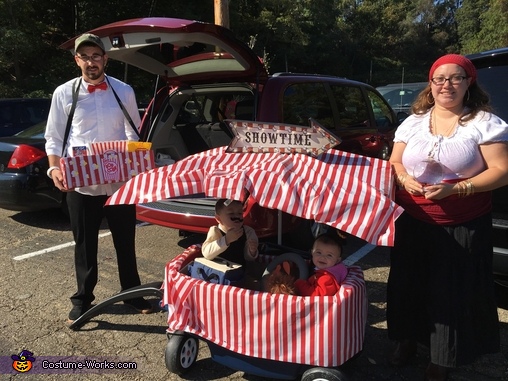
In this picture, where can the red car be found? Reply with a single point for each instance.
(209, 76)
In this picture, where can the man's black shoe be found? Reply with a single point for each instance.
(77, 311)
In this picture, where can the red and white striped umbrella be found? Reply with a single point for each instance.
(349, 192)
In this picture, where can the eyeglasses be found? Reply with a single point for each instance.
(454, 80)
(93, 57)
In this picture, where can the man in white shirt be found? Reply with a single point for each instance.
(97, 117)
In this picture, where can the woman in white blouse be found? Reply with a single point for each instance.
(448, 156)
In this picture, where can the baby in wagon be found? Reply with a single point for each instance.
(329, 271)
(327, 275)
(230, 239)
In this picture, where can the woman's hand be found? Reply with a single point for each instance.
(438, 191)
(411, 185)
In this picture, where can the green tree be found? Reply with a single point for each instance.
(31, 62)
(469, 23)
(483, 25)
(494, 32)
(22, 52)
(374, 41)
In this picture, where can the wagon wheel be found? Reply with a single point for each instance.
(323, 374)
(181, 352)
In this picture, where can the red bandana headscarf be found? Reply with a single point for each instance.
(457, 59)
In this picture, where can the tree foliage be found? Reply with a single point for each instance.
(483, 25)
(375, 41)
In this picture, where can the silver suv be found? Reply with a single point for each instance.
(401, 95)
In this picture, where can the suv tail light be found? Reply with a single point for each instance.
(25, 155)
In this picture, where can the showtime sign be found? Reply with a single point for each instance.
(259, 137)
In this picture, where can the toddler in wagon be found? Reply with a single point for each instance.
(230, 239)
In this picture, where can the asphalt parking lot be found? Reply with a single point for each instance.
(37, 278)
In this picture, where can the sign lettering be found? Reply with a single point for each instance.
(277, 137)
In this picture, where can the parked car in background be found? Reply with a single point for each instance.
(24, 185)
(16, 114)
(210, 76)
(401, 95)
(492, 69)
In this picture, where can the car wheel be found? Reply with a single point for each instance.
(181, 352)
(323, 374)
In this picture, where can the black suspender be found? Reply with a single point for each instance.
(75, 92)
(127, 116)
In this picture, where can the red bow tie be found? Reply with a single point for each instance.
(102, 86)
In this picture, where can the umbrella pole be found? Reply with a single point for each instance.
(279, 227)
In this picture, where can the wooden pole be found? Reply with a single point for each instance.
(221, 8)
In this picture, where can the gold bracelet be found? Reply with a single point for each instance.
(401, 178)
(470, 187)
(465, 188)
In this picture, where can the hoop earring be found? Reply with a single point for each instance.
(428, 99)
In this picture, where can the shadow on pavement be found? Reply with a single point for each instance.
(53, 219)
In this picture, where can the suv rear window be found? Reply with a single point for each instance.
(302, 101)
(307, 100)
(353, 111)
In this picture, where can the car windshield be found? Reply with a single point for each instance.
(400, 97)
(34, 132)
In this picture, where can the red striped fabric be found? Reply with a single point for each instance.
(350, 192)
(318, 331)
(98, 148)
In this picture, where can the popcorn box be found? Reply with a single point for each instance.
(108, 167)
(119, 146)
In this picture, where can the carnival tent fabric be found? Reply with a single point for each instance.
(349, 192)
(318, 330)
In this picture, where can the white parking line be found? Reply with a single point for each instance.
(62, 246)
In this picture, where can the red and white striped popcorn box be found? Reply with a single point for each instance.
(134, 163)
(97, 148)
(110, 167)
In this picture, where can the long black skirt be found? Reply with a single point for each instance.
(441, 289)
